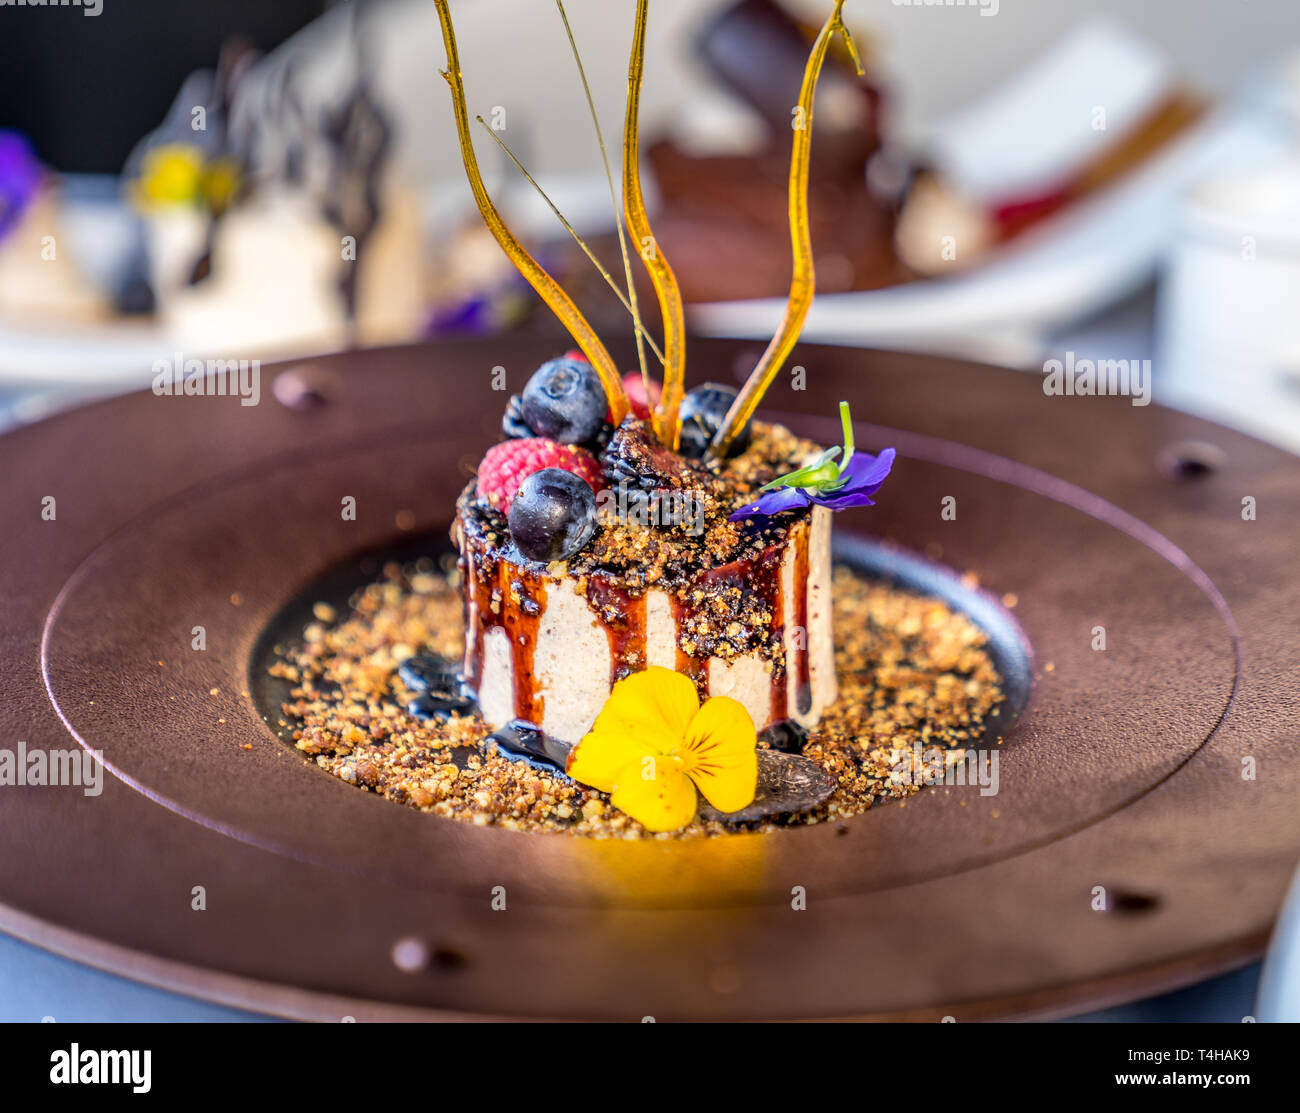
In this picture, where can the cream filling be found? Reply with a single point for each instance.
(572, 660)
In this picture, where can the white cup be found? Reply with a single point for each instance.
(1228, 320)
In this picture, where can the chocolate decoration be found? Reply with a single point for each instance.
(786, 783)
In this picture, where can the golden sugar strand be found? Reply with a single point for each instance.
(633, 307)
(642, 335)
(547, 288)
(803, 281)
(661, 274)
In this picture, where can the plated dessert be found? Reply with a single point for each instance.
(646, 591)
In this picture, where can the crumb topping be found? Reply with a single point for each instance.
(663, 519)
(911, 670)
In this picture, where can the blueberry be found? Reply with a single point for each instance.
(428, 706)
(426, 673)
(702, 411)
(553, 515)
(564, 401)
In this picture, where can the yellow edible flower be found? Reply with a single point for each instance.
(171, 175)
(653, 745)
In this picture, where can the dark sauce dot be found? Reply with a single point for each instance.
(787, 737)
(520, 741)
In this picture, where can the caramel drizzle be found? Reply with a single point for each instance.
(694, 667)
(803, 281)
(801, 668)
(661, 274)
(626, 633)
(521, 626)
(547, 288)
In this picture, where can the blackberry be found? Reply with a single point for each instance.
(702, 412)
(513, 424)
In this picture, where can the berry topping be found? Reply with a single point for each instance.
(506, 465)
(512, 421)
(635, 456)
(427, 705)
(701, 412)
(426, 673)
(641, 403)
(553, 515)
(564, 400)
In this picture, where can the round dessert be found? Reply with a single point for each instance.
(646, 571)
(663, 578)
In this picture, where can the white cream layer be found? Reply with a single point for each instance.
(572, 659)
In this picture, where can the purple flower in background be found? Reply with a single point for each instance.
(825, 482)
(20, 177)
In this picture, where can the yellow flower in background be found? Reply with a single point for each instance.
(171, 175)
(653, 745)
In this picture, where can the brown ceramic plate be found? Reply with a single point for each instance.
(1124, 771)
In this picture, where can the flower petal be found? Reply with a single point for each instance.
(646, 713)
(865, 470)
(656, 793)
(656, 703)
(601, 755)
(840, 501)
(720, 754)
(774, 502)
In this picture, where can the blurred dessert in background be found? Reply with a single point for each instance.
(722, 213)
(275, 227)
(1086, 114)
(39, 280)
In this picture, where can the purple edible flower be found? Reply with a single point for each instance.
(850, 482)
(20, 177)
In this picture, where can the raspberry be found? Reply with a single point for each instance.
(506, 465)
(636, 396)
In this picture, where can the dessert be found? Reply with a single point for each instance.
(745, 612)
(632, 549)
(644, 578)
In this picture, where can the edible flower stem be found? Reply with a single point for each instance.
(837, 479)
(846, 423)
